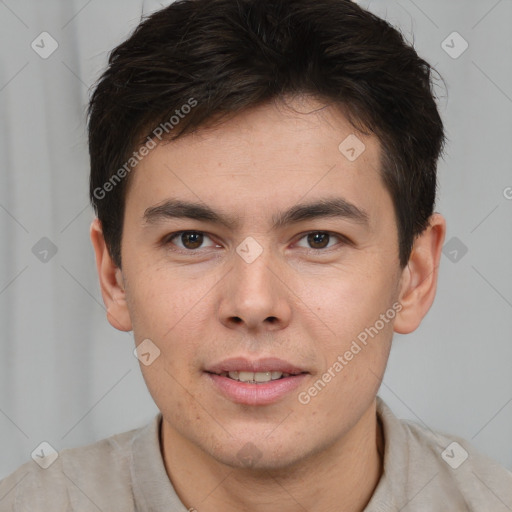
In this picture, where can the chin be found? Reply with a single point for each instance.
(261, 456)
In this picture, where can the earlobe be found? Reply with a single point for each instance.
(418, 282)
(111, 281)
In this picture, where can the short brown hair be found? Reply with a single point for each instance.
(225, 56)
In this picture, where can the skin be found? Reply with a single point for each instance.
(300, 303)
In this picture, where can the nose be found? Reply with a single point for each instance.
(254, 296)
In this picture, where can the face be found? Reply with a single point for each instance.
(255, 278)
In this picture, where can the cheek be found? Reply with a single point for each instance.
(161, 302)
(170, 314)
(347, 301)
(355, 347)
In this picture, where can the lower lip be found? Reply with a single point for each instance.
(256, 394)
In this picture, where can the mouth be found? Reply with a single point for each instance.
(255, 371)
(255, 382)
(256, 377)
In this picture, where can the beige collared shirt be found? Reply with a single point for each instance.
(423, 471)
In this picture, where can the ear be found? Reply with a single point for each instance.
(418, 282)
(111, 281)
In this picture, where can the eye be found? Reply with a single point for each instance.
(193, 240)
(320, 240)
(189, 240)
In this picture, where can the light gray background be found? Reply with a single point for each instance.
(68, 378)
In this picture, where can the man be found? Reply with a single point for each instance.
(264, 178)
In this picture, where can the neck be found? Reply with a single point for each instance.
(340, 477)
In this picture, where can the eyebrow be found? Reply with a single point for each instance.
(331, 207)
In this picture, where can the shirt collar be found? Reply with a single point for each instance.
(152, 489)
(394, 478)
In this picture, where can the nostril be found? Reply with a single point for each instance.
(237, 320)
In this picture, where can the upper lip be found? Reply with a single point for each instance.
(269, 364)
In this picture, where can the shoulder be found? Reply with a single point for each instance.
(83, 478)
(425, 469)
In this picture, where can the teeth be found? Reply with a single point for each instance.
(256, 377)
(262, 377)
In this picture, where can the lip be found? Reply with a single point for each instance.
(255, 394)
(268, 364)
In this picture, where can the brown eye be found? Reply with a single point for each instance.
(192, 239)
(318, 240)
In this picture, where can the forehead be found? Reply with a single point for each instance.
(264, 160)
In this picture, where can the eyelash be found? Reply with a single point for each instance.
(169, 238)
